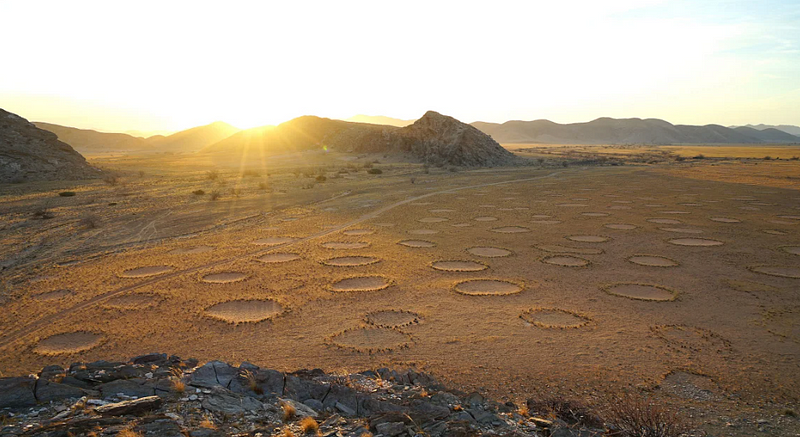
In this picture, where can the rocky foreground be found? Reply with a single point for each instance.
(156, 395)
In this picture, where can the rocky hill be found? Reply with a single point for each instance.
(380, 119)
(626, 131)
(92, 141)
(156, 395)
(434, 138)
(788, 128)
(28, 153)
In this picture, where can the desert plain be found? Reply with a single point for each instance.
(667, 274)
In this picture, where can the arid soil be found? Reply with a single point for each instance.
(581, 281)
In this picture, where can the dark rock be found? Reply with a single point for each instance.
(157, 359)
(222, 401)
(102, 365)
(422, 410)
(17, 392)
(47, 391)
(268, 382)
(129, 387)
(160, 428)
(302, 389)
(136, 406)
(205, 432)
(573, 432)
(391, 429)
(51, 373)
(484, 417)
(474, 399)
(315, 404)
(214, 373)
(75, 382)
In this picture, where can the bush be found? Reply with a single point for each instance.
(565, 164)
(89, 222)
(215, 195)
(767, 158)
(374, 171)
(637, 418)
(198, 192)
(43, 214)
(453, 169)
(680, 158)
(212, 175)
(263, 186)
(111, 180)
(367, 165)
(700, 156)
(541, 160)
(794, 158)
(321, 178)
(66, 193)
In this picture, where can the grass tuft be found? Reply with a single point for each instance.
(288, 411)
(308, 425)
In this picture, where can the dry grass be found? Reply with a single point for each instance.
(207, 423)
(635, 417)
(287, 433)
(524, 411)
(127, 432)
(288, 411)
(308, 425)
(572, 411)
(252, 383)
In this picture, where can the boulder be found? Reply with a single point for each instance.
(134, 407)
(17, 392)
(47, 391)
(137, 387)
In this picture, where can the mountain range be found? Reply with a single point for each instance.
(91, 141)
(628, 131)
(789, 129)
(379, 119)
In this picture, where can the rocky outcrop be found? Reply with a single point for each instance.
(434, 138)
(157, 395)
(28, 153)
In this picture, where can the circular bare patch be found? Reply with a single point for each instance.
(794, 250)
(641, 292)
(489, 252)
(683, 230)
(224, 277)
(554, 318)
(485, 219)
(596, 214)
(392, 318)
(244, 311)
(432, 220)
(780, 271)
(458, 266)
(510, 230)
(688, 385)
(423, 232)
(555, 248)
(620, 226)
(664, 221)
(725, 220)
(487, 287)
(652, 261)
(566, 261)
(49, 296)
(351, 261)
(345, 245)
(696, 242)
(417, 243)
(361, 283)
(588, 238)
(274, 241)
(358, 232)
(371, 339)
(68, 343)
(274, 258)
(144, 272)
(190, 250)
(691, 338)
(133, 301)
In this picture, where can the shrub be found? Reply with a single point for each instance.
(141, 173)
(680, 158)
(309, 425)
(89, 222)
(700, 156)
(66, 193)
(198, 192)
(367, 165)
(288, 411)
(321, 178)
(263, 186)
(453, 169)
(795, 158)
(638, 418)
(215, 195)
(565, 164)
(111, 179)
(212, 174)
(374, 171)
(571, 411)
(767, 158)
(43, 214)
(413, 180)
(541, 160)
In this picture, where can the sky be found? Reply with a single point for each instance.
(168, 65)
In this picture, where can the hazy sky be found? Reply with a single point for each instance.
(169, 65)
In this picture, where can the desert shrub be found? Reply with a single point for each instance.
(141, 173)
(541, 160)
(43, 214)
(565, 164)
(680, 158)
(571, 411)
(198, 192)
(236, 191)
(453, 169)
(288, 411)
(212, 175)
(426, 168)
(66, 193)
(374, 171)
(111, 179)
(309, 425)
(263, 186)
(307, 186)
(767, 158)
(700, 156)
(321, 178)
(413, 180)
(635, 417)
(795, 158)
(89, 222)
(215, 195)
(367, 165)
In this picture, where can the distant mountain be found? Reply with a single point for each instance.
(28, 153)
(789, 129)
(625, 131)
(194, 139)
(768, 135)
(434, 138)
(379, 119)
(91, 141)
(148, 134)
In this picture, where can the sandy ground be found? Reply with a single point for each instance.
(654, 279)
